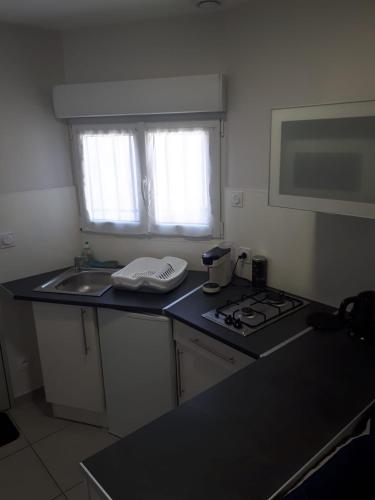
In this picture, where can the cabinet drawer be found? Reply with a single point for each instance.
(199, 342)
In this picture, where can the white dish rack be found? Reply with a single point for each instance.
(151, 275)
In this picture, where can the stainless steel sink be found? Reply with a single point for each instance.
(93, 282)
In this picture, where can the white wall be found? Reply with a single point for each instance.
(294, 53)
(37, 199)
(147, 49)
(275, 54)
(144, 50)
(33, 145)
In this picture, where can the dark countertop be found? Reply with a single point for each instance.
(152, 303)
(190, 311)
(249, 435)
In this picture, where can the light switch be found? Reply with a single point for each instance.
(237, 199)
(7, 240)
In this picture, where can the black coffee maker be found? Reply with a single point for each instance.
(361, 317)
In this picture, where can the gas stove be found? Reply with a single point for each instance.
(251, 312)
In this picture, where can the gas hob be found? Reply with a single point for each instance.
(251, 312)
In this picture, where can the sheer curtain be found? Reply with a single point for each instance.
(161, 179)
(179, 175)
(110, 180)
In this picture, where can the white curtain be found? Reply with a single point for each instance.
(179, 173)
(161, 179)
(110, 181)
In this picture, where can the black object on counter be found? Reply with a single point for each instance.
(325, 321)
(360, 319)
(259, 271)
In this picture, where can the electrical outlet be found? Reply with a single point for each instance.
(7, 240)
(247, 251)
(237, 199)
(243, 267)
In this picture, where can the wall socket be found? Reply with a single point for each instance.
(247, 251)
(237, 199)
(243, 268)
(7, 240)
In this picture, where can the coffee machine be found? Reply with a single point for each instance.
(219, 266)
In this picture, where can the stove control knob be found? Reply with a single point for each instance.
(237, 323)
(229, 320)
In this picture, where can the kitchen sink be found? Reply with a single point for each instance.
(93, 282)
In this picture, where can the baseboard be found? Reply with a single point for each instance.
(79, 415)
(35, 395)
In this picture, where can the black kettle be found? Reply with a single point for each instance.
(361, 317)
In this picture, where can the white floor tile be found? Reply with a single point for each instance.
(61, 452)
(35, 421)
(23, 477)
(79, 492)
(18, 444)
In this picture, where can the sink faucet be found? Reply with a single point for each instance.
(79, 262)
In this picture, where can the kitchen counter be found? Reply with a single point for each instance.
(258, 344)
(251, 434)
(188, 311)
(151, 303)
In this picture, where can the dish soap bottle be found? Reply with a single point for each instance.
(87, 253)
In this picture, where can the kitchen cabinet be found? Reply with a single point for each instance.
(322, 158)
(138, 368)
(202, 361)
(70, 358)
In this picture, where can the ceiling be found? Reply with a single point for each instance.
(65, 14)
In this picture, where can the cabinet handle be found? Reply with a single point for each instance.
(83, 323)
(178, 366)
(203, 346)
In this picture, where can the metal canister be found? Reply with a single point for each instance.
(259, 271)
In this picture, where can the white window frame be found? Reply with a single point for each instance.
(143, 228)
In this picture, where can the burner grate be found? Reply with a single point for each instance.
(250, 312)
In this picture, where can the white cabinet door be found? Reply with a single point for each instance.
(138, 368)
(202, 362)
(70, 356)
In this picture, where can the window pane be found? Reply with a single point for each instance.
(179, 167)
(110, 177)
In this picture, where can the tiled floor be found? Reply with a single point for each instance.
(43, 463)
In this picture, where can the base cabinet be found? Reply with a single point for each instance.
(202, 362)
(138, 368)
(70, 357)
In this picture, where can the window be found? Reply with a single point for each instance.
(161, 179)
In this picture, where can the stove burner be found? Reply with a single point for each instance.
(251, 312)
(276, 298)
(248, 312)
